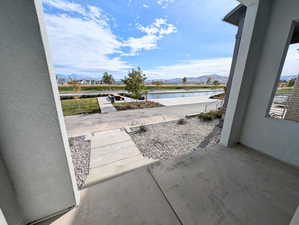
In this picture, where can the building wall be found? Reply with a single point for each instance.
(33, 141)
(10, 211)
(278, 138)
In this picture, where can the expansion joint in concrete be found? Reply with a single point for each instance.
(165, 197)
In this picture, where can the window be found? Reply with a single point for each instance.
(285, 104)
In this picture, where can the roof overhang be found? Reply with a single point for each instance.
(248, 2)
(234, 16)
(295, 38)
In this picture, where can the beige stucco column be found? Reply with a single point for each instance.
(33, 140)
(249, 52)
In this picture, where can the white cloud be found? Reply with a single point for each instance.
(192, 68)
(65, 6)
(164, 3)
(147, 42)
(145, 6)
(291, 64)
(220, 66)
(153, 33)
(82, 45)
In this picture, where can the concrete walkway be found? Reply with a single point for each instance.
(113, 153)
(86, 124)
(184, 100)
(105, 105)
(223, 186)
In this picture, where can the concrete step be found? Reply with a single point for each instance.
(101, 139)
(114, 156)
(116, 168)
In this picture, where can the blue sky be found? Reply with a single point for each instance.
(166, 38)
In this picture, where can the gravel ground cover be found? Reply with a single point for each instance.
(80, 151)
(169, 139)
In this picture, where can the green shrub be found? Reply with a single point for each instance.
(66, 97)
(209, 116)
(206, 116)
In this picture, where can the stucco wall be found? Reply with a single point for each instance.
(33, 141)
(279, 138)
(9, 208)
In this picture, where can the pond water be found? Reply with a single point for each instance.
(182, 94)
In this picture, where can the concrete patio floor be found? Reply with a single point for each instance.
(223, 186)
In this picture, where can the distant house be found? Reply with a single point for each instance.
(61, 81)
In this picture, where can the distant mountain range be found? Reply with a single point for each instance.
(190, 80)
(76, 77)
(193, 80)
(288, 77)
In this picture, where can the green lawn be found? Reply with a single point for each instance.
(80, 106)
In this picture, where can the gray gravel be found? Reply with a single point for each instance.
(169, 140)
(80, 151)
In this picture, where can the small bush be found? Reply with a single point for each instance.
(66, 97)
(218, 114)
(206, 116)
(211, 115)
(142, 129)
(181, 122)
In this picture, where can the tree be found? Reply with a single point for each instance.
(291, 83)
(107, 78)
(208, 80)
(216, 82)
(184, 80)
(135, 82)
(157, 83)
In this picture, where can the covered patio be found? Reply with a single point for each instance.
(227, 186)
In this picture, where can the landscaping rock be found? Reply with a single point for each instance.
(80, 151)
(169, 140)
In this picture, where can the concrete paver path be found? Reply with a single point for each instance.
(105, 105)
(184, 100)
(112, 153)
